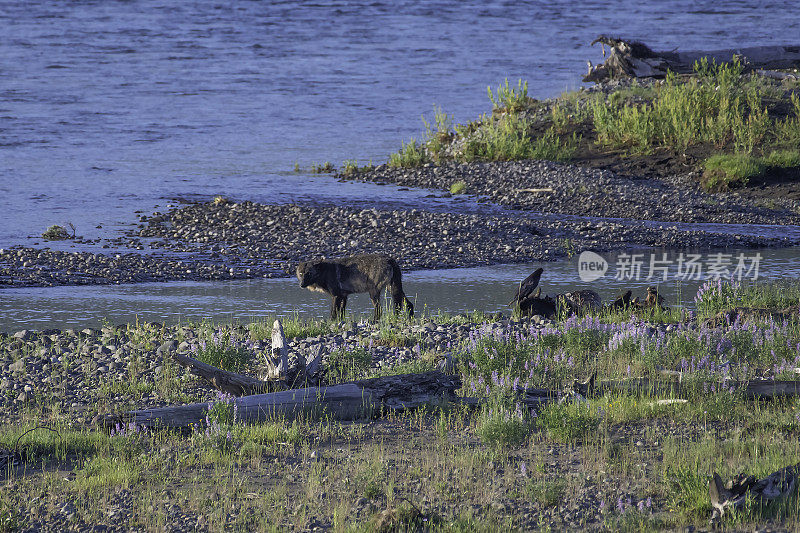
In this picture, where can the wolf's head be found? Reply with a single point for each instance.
(307, 273)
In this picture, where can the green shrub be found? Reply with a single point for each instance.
(349, 167)
(509, 98)
(56, 233)
(458, 187)
(324, 168)
(715, 107)
(410, 155)
(787, 131)
(508, 138)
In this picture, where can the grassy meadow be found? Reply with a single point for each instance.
(614, 461)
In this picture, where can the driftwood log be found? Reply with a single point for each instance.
(347, 401)
(631, 59)
(732, 495)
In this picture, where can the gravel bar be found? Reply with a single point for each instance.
(589, 192)
(249, 240)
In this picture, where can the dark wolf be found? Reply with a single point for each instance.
(359, 273)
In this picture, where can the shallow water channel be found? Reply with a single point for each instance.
(485, 288)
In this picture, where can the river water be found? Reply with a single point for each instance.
(457, 290)
(109, 107)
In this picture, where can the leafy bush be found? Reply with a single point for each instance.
(56, 233)
(715, 107)
(410, 155)
(458, 187)
(509, 98)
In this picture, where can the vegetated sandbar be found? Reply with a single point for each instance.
(719, 145)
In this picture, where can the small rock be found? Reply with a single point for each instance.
(24, 335)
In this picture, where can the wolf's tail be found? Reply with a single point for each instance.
(396, 287)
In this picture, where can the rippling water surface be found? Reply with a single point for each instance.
(107, 107)
(457, 290)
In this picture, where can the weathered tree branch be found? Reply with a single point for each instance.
(631, 59)
(732, 495)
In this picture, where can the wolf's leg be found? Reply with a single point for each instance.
(376, 303)
(337, 307)
(399, 298)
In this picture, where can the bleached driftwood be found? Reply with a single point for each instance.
(223, 380)
(535, 191)
(278, 374)
(277, 363)
(631, 59)
(344, 402)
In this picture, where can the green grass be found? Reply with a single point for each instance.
(715, 297)
(347, 365)
(569, 422)
(294, 326)
(502, 425)
(782, 159)
(723, 171)
(222, 350)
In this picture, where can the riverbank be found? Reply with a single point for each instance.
(556, 188)
(620, 461)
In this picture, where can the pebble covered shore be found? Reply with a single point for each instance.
(130, 366)
(589, 192)
(206, 241)
(115, 368)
